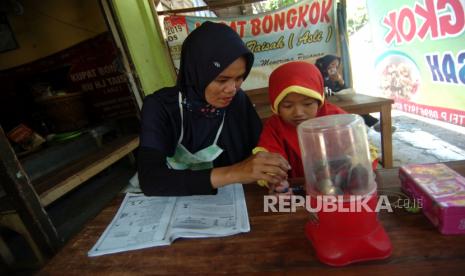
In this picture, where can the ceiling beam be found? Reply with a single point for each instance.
(211, 6)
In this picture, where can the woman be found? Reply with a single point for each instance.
(197, 136)
(329, 68)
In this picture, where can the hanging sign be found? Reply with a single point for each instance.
(303, 31)
(421, 56)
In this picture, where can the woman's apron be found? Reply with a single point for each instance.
(183, 159)
(203, 159)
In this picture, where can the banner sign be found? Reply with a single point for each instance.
(421, 56)
(303, 31)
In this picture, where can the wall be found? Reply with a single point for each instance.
(146, 45)
(48, 26)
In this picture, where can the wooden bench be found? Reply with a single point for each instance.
(51, 187)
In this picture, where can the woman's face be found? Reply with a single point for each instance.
(296, 108)
(220, 92)
(332, 67)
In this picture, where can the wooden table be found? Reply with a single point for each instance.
(359, 104)
(364, 104)
(276, 244)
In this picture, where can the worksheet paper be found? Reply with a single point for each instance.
(143, 221)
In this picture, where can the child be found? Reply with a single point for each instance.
(296, 93)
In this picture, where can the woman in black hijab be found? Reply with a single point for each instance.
(329, 68)
(198, 135)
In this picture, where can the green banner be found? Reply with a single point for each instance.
(420, 56)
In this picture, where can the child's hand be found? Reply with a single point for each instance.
(281, 190)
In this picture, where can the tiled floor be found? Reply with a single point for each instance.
(420, 140)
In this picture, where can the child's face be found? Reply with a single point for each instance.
(296, 108)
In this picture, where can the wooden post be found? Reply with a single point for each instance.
(18, 187)
(5, 253)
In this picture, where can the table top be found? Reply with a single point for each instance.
(275, 244)
(360, 101)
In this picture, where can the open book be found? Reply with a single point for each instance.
(143, 221)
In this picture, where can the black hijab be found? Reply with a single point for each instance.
(206, 52)
(323, 63)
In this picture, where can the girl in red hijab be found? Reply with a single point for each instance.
(296, 94)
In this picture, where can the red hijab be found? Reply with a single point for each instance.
(278, 136)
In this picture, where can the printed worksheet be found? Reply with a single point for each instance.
(143, 221)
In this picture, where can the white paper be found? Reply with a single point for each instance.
(143, 221)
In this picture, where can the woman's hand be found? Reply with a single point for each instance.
(336, 77)
(271, 167)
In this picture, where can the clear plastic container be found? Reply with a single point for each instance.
(335, 156)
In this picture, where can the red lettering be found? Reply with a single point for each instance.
(325, 10)
(391, 22)
(267, 24)
(314, 13)
(279, 21)
(291, 18)
(445, 20)
(442, 18)
(407, 14)
(430, 23)
(255, 26)
(242, 28)
(302, 12)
